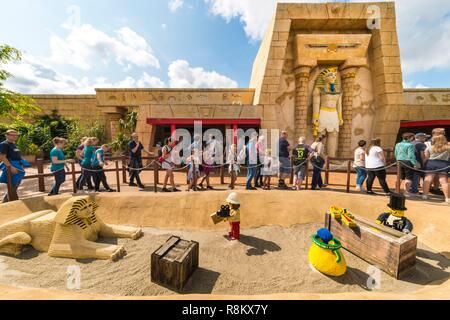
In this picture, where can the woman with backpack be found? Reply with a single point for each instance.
(86, 162)
(168, 165)
(318, 161)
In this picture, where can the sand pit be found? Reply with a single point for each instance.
(267, 260)
(270, 261)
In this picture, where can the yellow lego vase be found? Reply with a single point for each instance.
(327, 258)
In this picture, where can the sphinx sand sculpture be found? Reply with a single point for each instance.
(69, 233)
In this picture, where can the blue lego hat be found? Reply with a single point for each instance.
(325, 235)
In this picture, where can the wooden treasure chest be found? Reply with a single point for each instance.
(173, 263)
(391, 251)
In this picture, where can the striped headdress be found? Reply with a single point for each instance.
(322, 85)
(82, 204)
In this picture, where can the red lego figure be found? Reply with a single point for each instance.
(235, 216)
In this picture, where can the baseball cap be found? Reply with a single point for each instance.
(421, 134)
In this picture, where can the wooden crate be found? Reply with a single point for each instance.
(173, 263)
(385, 248)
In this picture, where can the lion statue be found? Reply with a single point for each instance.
(69, 233)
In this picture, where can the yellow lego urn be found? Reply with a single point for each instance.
(325, 254)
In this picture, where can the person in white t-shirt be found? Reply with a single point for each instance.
(375, 166)
(359, 163)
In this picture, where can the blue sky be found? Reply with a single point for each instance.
(76, 45)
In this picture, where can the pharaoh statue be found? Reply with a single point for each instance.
(327, 108)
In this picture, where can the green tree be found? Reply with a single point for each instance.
(13, 105)
(127, 125)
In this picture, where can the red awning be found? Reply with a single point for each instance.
(206, 122)
(425, 123)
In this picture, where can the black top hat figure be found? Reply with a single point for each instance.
(397, 202)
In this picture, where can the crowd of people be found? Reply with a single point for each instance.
(423, 159)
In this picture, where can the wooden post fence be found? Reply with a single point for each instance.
(349, 172)
(12, 196)
(155, 176)
(156, 168)
(194, 175)
(327, 170)
(222, 175)
(124, 171)
(187, 175)
(399, 173)
(117, 175)
(291, 181)
(74, 178)
(41, 179)
(307, 176)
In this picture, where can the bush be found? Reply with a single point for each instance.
(3, 128)
(126, 128)
(42, 137)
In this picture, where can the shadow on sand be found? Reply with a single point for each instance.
(423, 273)
(354, 277)
(201, 282)
(258, 246)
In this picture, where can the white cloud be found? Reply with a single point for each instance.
(147, 81)
(424, 34)
(411, 85)
(84, 46)
(255, 15)
(33, 77)
(174, 5)
(423, 27)
(182, 75)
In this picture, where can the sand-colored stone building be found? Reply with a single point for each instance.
(359, 39)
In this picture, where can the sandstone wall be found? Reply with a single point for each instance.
(83, 107)
(425, 104)
(177, 103)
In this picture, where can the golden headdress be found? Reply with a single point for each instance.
(322, 85)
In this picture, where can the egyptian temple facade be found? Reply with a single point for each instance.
(360, 39)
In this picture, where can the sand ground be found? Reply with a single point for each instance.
(267, 260)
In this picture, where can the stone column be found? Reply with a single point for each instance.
(302, 74)
(345, 136)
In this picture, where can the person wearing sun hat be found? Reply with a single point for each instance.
(395, 217)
